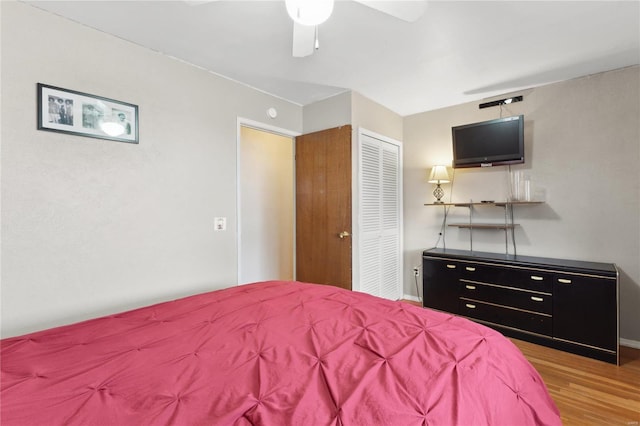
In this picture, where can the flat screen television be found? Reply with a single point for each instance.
(489, 143)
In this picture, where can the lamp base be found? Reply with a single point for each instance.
(438, 193)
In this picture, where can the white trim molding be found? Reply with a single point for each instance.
(411, 297)
(630, 343)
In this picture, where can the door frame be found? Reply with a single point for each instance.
(263, 127)
(355, 208)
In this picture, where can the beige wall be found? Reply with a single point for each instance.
(327, 114)
(355, 109)
(582, 152)
(375, 117)
(91, 226)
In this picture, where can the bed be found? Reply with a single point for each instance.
(271, 353)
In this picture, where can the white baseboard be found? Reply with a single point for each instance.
(411, 297)
(630, 343)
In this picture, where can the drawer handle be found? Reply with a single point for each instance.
(564, 281)
(537, 299)
(451, 266)
(536, 278)
(470, 287)
(470, 306)
(470, 269)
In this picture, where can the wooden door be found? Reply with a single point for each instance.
(323, 207)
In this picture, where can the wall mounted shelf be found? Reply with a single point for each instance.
(507, 226)
(489, 203)
(484, 225)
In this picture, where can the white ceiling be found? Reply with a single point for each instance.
(456, 52)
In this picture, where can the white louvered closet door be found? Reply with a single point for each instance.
(379, 268)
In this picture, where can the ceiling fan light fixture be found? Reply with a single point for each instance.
(309, 12)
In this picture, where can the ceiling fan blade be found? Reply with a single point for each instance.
(407, 10)
(303, 40)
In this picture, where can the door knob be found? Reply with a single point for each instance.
(344, 234)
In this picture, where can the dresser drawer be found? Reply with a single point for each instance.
(510, 317)
(508, 276)
(507, 296)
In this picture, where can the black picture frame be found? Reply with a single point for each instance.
(77, 113)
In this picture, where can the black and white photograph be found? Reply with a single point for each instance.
(60, 110)
(70, 111)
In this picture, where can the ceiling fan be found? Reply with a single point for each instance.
(308, 14)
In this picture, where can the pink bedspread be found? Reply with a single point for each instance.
(273, 353)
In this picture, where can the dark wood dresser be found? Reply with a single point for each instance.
(564, 304)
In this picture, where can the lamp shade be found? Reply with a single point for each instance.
(309, 12)
(439, 174)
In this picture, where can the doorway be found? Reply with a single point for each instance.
(308, 236)
(266, 205)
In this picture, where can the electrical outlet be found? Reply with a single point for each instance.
(220, 223)
(416, 271)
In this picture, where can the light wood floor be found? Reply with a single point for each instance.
(586, 391)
